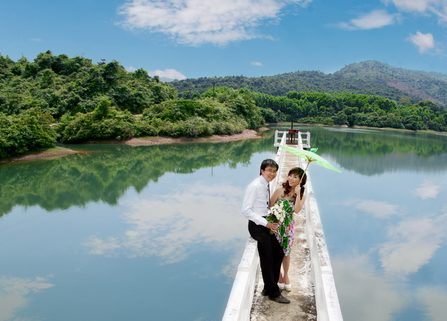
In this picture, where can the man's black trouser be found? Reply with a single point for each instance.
(270, 257)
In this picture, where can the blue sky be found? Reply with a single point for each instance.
(180, 39)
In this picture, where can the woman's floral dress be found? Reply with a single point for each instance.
(286, 231)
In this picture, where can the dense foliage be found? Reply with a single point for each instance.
(72, 100)
(91, 101)
(60, 85)
(353, 110)
(25, 132)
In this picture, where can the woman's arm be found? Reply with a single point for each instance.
(299, 203)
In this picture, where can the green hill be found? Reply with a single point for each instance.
(368, 77)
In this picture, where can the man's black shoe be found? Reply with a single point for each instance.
(280, 299)
(264, 293)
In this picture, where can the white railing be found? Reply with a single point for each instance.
(241, 295)
(326, 298)
(279, 134)
(305, 136)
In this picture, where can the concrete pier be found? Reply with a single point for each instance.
(313, 295)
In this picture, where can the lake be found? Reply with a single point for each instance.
(154, 233)
(385, 221)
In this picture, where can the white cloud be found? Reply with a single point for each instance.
(168, 226)
(436, 7)
(427, 190)
(412, 5)
(256, 63)
(373, 20)
(412, 244)
(168, 74)
(423, 41)
(164, 75)
(14, 293)
(105, 246)
(377, 209)
(196, 22)
(131, 69)
(365, 295)
(434, 300)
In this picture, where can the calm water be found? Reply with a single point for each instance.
(122, 233)
(154, 233)
(385, 220)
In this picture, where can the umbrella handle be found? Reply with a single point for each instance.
(305, 170)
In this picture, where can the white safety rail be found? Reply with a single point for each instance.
(305, 138)
(326, 298)
(241, 295)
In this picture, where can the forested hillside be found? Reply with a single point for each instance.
(55, 98)
(369, 77)
(73, 100)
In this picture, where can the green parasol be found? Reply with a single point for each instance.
(311, 157)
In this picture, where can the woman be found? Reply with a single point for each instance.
(294, 186)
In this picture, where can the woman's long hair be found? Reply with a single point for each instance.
(300, 173)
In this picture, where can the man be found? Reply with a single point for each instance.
(255, 209)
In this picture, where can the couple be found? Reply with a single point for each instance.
(255, 208)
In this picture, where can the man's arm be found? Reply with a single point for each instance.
(247, 207)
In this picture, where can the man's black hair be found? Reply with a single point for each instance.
(268, 163)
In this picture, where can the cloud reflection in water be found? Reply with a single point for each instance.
(412, 244)
(427, 190)
(14, 293)
(365, 294)
(167, 226)
(377, 209)
(434, 299)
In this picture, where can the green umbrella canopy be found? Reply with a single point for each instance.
(311, 157)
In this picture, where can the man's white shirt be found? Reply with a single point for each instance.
(255, 203)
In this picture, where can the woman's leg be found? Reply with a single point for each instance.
(286, 266)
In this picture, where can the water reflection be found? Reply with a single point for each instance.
(378, 209)
(370, 296)
(427, 190)
(412, 243)
(14, 294)
(128, 232)
(364, 290)
(127, 220)
(372, 152)
(385, 220)
(434, 300)
(167, 226)
(108, 171)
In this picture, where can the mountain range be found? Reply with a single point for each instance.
(367, 77)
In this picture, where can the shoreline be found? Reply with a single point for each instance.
(161, 140)
(51, 153)
(59, 151)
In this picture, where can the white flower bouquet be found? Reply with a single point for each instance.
(282, 213)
